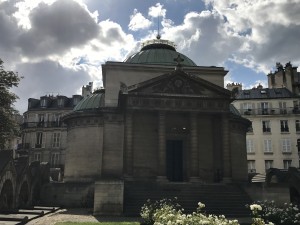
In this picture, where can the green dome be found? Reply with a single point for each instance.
(94, 101)
(161, 52)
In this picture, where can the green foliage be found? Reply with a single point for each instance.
(265, 212)
(8, 126)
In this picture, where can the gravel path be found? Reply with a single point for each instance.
(75, 215)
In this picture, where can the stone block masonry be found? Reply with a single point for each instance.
(108, 198)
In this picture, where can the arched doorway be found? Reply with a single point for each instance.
(6, 196)
(24, 195)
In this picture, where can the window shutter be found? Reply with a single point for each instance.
(33, 140)
(44, 140)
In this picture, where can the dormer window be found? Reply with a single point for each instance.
(60, 102)
(76, 99)
(263, 92)
(44, 103)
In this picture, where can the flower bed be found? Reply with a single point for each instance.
(168, 212)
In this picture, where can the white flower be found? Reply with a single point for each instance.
(201, 205)
(255, 207)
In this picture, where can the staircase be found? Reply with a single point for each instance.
(219, 199)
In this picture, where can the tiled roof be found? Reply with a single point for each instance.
(271, 93)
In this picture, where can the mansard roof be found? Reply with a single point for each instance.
(51, 102)
(264, 93)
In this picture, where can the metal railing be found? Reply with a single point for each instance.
(270, 111)
(43, 124)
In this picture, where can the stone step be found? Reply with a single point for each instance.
(226, 200)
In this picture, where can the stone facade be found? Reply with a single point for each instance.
(44, 135)
(152, 123)
(272, 141)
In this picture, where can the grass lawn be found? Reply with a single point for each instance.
(98, 223)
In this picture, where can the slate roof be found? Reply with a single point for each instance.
(52, 102)
(271, 93)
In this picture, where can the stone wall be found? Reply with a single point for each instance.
(74, 195)
(109, 197)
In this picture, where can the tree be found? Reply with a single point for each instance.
(8, 125)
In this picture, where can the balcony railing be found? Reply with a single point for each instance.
(23, 146)
(43, 124)
(270, 111)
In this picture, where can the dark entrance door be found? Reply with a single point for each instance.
(174, 160)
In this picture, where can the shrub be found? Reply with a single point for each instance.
(167, 212)
(269, 212)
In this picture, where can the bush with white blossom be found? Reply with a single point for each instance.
(166, 212)
(267, 212)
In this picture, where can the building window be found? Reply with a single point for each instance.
(297, 124)
(286, 145)
(41, 119)
(264, 108)
(287, 164)
(247, 108)
(56, 140)
(266, 126)
(267, 146)
(296, 104)
(44, 103)
(39, 140)
(37, 156)
(251, 166)
(250, 128)
(268, 164)
(250, 146)
(56, 120)
(54, 159)
(75, 101)
(284, 126)
(60, 102)
(282, 107)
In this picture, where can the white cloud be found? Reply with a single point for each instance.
(56, 43)
(269, 29)
(138, 21)
(263, 83)
(157, 11)
(203, 38)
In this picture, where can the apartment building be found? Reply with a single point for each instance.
(44, 135)
(273, 141)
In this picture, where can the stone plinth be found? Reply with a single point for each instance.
(108, 198)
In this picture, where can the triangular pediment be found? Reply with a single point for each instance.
(179, 83)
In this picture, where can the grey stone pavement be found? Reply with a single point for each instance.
(78, 215)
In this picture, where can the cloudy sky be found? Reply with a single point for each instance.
(59, 45)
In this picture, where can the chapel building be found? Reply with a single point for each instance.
(159, 121)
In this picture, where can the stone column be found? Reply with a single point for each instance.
(194, 156)
(129, 145)
(227, 177)
(161, 173)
